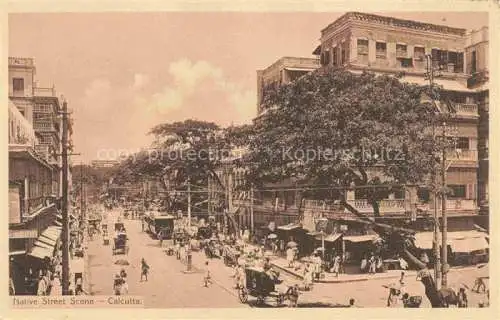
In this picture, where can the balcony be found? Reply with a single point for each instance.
(45, 92)
(453, 205)
(385, 206)
(462, 155)
(467, 109)
(44, 126)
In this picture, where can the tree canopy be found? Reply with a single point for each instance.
(340, 129)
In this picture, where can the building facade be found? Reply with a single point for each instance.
(477, 48)
(282, 71)
(385, 45)
(35, 175)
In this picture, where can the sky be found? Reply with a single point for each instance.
(123, 73)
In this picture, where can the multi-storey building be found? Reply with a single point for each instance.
(283, 71)
(35, 171)
(359, 41)
(385, 45)
(476, 49)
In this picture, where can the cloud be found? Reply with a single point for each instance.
(201, 90)
(140, 81)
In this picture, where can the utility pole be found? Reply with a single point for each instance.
(444, 222)
(82, 212)
(209, 197)
(251, 211)
(189, 204)
(437, 254)
(64, 205)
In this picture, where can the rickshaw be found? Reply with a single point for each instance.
(120, 244)
(213, 249)
(230, 256)
(261, 285)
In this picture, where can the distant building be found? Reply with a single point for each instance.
(283, 71)
(104, 163)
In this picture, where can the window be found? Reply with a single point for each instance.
(343, 56)
(457, 191)
(424, 194)
(18, 85)
(325, 58)
(463, 143)
(419, 53)
(381, 49)
(401, 51)
(363, 46)
(473, 62)
(406, 62)
(335, 57)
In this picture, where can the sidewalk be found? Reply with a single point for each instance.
(282, 264)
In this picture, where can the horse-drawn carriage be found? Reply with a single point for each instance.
(230, 255)
(262, 285)
(121, 244)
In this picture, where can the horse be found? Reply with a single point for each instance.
(441, 298)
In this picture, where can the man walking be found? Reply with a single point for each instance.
(144, 269)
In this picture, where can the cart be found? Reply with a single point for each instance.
(121, 244)
(261, 285)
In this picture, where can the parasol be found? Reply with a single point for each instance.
(292, 244)
(272, 236)
(122, 262)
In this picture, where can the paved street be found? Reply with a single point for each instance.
(168, 286)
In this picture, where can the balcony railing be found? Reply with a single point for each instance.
(467, 109)
(461, 155)
(44, 126)
(45, 92)
(453, 205)
(385, 206)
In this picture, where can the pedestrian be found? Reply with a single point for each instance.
(123, 275)
(42, 286)
(364, 264)
(289, 257)
(372, 266)
(142, 223)
(117, 285)
(462, 298)
(308, 277)
(336, 265)
(207, 279)
(160, 236)
(144, 269)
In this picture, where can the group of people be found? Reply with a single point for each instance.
(371, 264)
(120, 283)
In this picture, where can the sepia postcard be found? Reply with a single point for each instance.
(233, 160)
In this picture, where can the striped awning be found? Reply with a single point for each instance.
(41, 252)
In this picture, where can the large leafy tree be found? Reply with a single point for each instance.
(346, 131)
(183, 153)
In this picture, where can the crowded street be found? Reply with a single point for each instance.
(168, 275)
(167, 286)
